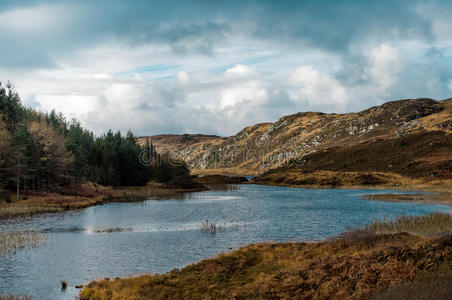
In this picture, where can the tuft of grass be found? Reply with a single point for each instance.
(442, 197)
(13, 241)
(431, 226)
(63, 284)
(212, 227)
(207, 227)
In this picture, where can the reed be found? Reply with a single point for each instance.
(434, 197)
(15, 210)
(13, 241)
(431, 226)
(213, 228)
(207, 227)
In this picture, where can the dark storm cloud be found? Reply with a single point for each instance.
(200, 26)
(334, 25)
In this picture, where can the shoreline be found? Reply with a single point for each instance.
(419, 194)
(431, 194)
(31, 205)
(358, 264)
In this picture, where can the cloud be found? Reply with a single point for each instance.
(383, 65)
(215, 67)
(317, 89)
(73, 106)
(239, 71)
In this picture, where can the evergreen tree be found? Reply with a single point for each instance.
(22, 169)
(10, 107)
(80, 143)
(45, 151)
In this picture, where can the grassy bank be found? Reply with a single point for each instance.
(82, 196)
(435, 197)
(357, 265)
(438, 191)
(340, 179)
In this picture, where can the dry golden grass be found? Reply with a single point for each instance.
(432, 225)
(78, 197)
(350, 267)
(321, 179)
(224, 171)
(444, 197)
(50, 202)
(440, 191)
(21, 209)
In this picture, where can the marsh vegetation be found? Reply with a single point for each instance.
(13, 241)
(430, 226)
(437, 197)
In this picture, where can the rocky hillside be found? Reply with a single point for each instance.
(408, 137)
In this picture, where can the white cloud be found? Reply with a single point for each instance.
(384, 64)
(101, 76)
(70, 105)
(241, 85)
(239, 71)
(316, 88)
(245, 91)
(183, 78)
(123, 96)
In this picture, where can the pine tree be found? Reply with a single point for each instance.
(10, 107)
(22, 146)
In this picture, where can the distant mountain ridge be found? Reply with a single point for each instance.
(410, 137)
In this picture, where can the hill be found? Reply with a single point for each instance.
(404, 138)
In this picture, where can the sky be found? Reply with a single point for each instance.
(214, 67)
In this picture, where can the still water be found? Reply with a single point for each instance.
(122, 239)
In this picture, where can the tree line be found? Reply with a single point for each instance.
(44, 151)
